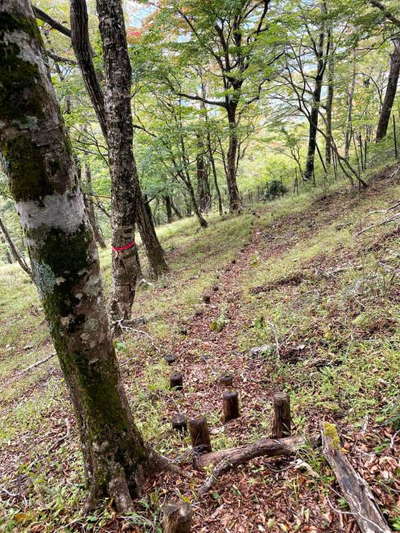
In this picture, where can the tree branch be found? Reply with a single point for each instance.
(44, 17)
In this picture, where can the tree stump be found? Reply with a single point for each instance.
(170, 358)
(231, 405)
(177, 518)
(281, 422)
(226, 380)
(206, 298)
(199, 435)
(176, 381)
(179, 423)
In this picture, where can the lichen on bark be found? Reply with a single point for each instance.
(43, 182)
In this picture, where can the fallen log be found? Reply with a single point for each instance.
(355, 489)
(242, 454)
(231, 457)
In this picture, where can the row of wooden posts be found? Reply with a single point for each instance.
(198, 427)
(178, 517)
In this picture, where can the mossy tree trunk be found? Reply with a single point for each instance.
(117, 70)
(115, 47)
(65, 265)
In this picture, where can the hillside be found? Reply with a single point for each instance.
(294, 274)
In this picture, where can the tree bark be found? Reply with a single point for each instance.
(65, 265)
(152, 245)
(354, 487)
(233, 191)
(329, 104)
(154, 251)
(391, 90)
(203, 185)
(349, 122)
(168, 207)
(83, 52)
(314, 115)
(14, 252)
(202, 221)
(90, 207)
(124, 193)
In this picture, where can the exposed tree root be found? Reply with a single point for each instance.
(231, 457)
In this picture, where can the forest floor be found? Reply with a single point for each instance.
(295, 276)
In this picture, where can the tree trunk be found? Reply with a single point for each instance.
(215, 176)
(80, 41)
(168, 207)
(329, 105)
(154, 251)
(233, 191)
(83, 52)
(203, 185)
(90, 207)
(176, 210)
(349, 122)
(14, 252)
(316, 100)
(391, 90)
(202, 221)
(124, 194)
(44, 184)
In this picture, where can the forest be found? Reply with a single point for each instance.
(199, 266)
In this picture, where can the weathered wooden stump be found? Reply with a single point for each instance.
(282, 420)
(177, 518)
(231, 405)
(200, 435)
(176, 381)
(170, 358)
(179, 423)
(226, 380)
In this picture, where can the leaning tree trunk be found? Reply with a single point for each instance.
(65, 265)
(313, 122)
(202, 221)
(80, 41)
(391, 90)
(14, 252)
(154, 251)
(90, 207)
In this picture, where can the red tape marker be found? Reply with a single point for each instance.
(125, 247)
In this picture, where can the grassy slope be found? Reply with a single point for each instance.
(324, 298)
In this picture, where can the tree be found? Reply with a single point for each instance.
(231, 40)
(394, 72)
(82, 48)
(44, 184)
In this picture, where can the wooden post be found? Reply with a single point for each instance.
(179, 423)
(231, 405)
(226, 380)
(199, 434)
(281, 422)
(176, 381)
(177, 518)
(170, 358)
